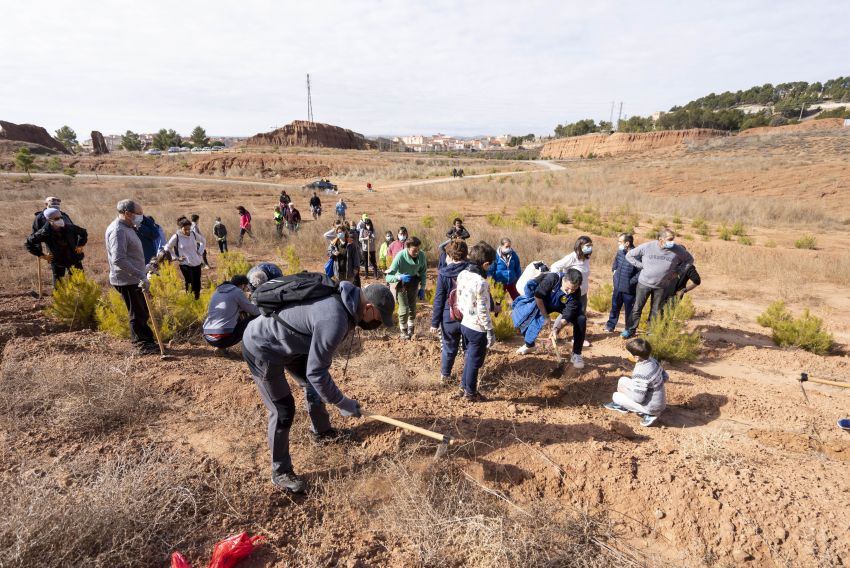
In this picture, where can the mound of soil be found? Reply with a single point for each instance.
(30, 133)
(310, 134)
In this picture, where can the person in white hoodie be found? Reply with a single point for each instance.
(643, 392)
(476, 327)
(580, 260)
(185, 247)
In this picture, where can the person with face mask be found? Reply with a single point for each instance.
(397, 246)
(126, 259)
(625, 283)
(300, 340)
(659, 262)
(185, 248)
(383, 262)
(407, 272)
(507, 269)
(49, 203)
(580, 260)
(64, 242)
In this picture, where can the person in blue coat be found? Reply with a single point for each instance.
(551, 292)
(152, 237)
(506, 270)
(625, 283)
(441, 317)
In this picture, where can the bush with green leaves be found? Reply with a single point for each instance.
(428, 221)
(528, 215)
(231, 264)
(667, 335)
(24, 160)
(806, 332)
(112, 316)
(724, 234)
(599, 299)
(292, 264)
(746, 241)
(808, 242)
(738, 229)
(75, 300)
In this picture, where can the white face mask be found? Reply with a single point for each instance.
(402, 238)
(58, 223)
(587, 249)
(621, 247)
(669, 244)
(507, 250)
(340, 236)
(137, 219)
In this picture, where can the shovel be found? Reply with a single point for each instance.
(445, 440)
(559, 368)
(162, 354)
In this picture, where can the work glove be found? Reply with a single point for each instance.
(145, 284)
(79, 250)
(349, 408)
(422, 294)
(48, 257)
(404, 278)
(491, 338)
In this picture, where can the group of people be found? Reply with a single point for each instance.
(300, 337)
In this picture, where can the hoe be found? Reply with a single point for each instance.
(445, 440)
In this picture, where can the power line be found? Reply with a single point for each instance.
(309, 101)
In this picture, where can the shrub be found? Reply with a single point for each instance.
(429, 296)
(806, 332)
(560, 216)
(667, 336)
(746, 241)
(232, 263)
(54, 164)
(176, 310)
(548, 225)
(70, 172)
(725, 234)
(528, 215)
(427, 221)
(770, 244)
(112, 316)
(738, 229)
(599, 299)
(503, 325)
(807, 241)
(75, 300)
(497, 291)
(496, 220)
(291, 260)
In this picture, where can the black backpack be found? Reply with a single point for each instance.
(277, 293)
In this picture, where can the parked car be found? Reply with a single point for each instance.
(153, 152)
(196, 149)
(320, 184)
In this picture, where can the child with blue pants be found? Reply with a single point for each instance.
(441, 317)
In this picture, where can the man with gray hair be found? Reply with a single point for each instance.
(126, 260)
(659, 262)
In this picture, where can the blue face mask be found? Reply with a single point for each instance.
(669, 244)
(587, 249)
(137, 219)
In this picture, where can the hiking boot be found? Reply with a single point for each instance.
(525, 349)
(332, 436)
(647, 419)
(577, 361)
(149, 349)
(609, 329)
(615, 407)
(289, 481)
(627, 334)
(403, 334)
(410, 332)
(474, 397)
(459, 395)
(445, 380)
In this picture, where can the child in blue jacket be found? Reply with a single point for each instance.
(441, 318)
(506, 270)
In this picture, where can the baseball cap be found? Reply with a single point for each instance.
(380, 296)
(52, 201)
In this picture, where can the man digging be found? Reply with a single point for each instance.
(301, 337)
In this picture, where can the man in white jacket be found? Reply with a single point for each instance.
(476, 327)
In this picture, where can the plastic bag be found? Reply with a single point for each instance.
(226, 553)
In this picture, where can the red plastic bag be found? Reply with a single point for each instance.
(226, 553)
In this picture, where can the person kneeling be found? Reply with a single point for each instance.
(550, 293)
(644, 392)
(229, 313)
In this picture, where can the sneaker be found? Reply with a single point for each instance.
(627, 334)
(149, 349)
(332, 436)
(524, 349)
(609, 329)
(460, 394)
(474, 397)
(615, 407)
(445, 381)
(220, 352)
(577, 361)
(410, 333)
(585, 344)
(647, 419)
(403, 334)
(289, 481)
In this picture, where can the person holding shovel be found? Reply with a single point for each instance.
(300, 339)
(407, 272)
(64, 242)
(126, 260)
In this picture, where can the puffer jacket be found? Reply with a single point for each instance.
(446, 281)
(625, 274)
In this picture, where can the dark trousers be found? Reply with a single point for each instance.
(579, 331)
(61, 271)
(140, 332)
(451, 343)
(643, 294)
(370, 258)
(206, 262)
(475, 346)
(270, 378)
(222, 245)
(233, 337)
(192, 276)
(620, 300)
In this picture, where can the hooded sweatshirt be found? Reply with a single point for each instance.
(322, 325)
(446, 281)
(403, 263)
(573, 261)
(647, 386)
(225, 305)
(658, 266)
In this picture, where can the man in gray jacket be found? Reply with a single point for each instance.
(229, 313)
(659, 262)
(126, 260)
(301, 339)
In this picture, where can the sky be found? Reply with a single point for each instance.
(399, 67)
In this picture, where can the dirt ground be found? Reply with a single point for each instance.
(743, 469)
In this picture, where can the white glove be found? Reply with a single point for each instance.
(491, 338)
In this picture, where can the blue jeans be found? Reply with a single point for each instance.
(620, 300)
(451, 342)
(475, 345)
